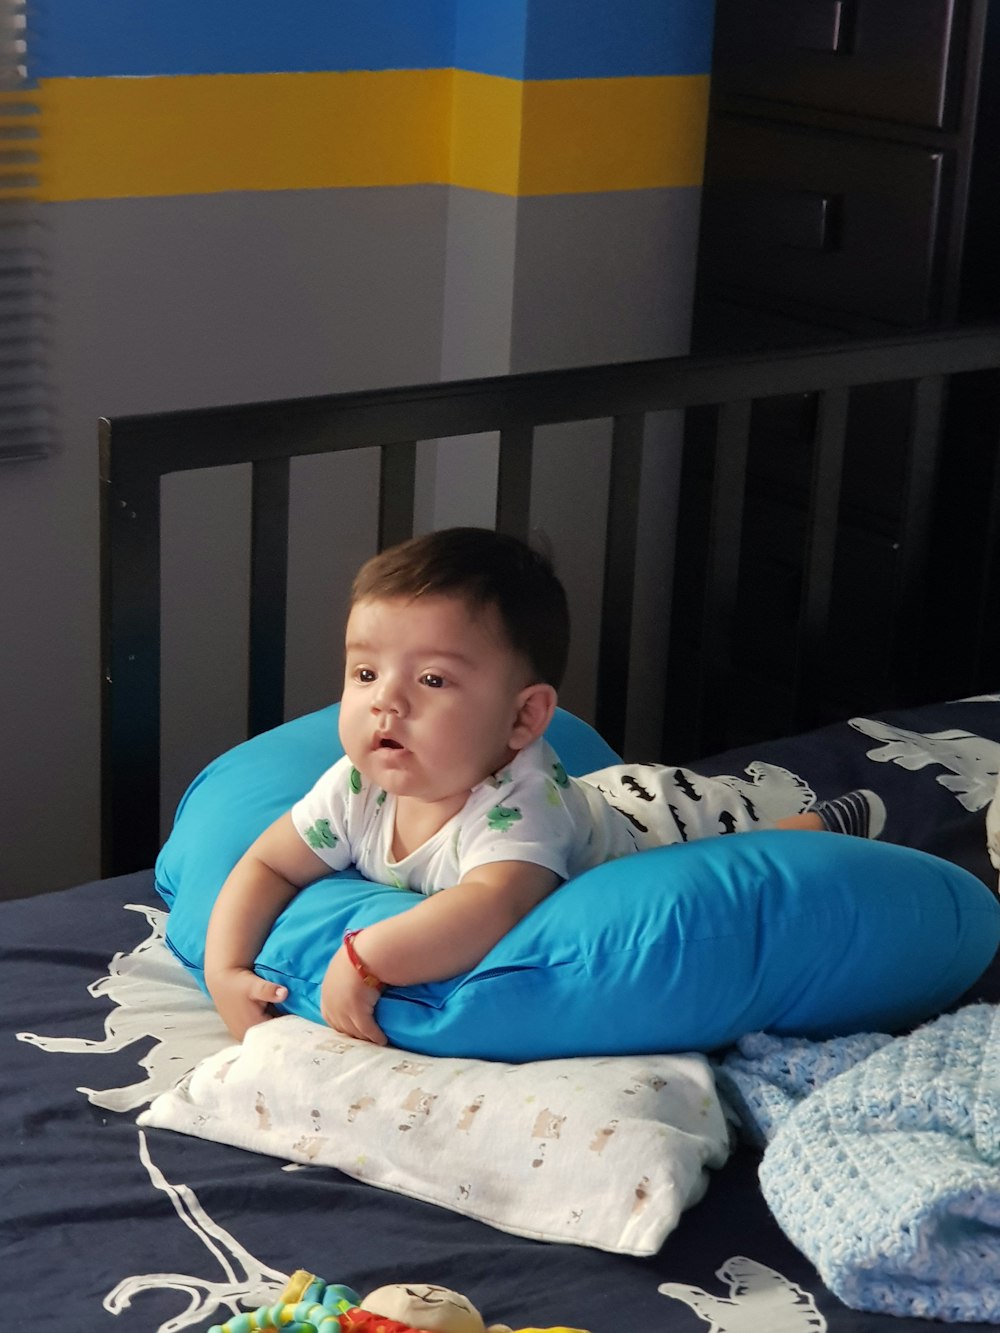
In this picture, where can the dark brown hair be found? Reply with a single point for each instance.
(485, 568)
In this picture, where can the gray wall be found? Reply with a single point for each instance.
(162, 303)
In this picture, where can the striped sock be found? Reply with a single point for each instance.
(860, 813)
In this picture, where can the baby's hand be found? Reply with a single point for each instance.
(347, 1004)
(243, 999)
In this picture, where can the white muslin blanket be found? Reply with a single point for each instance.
(605, 1152)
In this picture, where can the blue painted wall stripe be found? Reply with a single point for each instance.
(490, 37)
(104, 38)
(520, 39)
(586, 39)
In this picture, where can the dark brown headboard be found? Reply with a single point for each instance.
(137, 451)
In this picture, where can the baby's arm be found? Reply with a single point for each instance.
(262, 882)
(441, 936)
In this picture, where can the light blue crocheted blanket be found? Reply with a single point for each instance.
(882, 1161)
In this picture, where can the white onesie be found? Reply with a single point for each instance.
(528, 811)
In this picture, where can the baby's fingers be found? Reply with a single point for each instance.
(266, 992)
(355, 1022)
(369, 1030)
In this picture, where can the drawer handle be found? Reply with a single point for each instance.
(797, 218)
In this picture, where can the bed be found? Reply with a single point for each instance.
(118, 1225)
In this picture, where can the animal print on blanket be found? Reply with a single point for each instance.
(972, 762)
(760, 1300)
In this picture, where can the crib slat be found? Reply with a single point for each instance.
(268, 594)
(722, 574)
(821, 541)
(986, 643)
(397, 484)
(915, 525)
(618, 592)
(513, 513)
(130, 664)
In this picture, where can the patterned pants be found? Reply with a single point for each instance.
(666, 804)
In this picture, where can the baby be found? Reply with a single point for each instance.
(456, 644)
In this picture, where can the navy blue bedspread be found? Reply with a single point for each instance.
(107, 1227)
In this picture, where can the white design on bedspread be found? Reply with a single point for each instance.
(246, 1281)
(973, 761)
(155, 998)
(759, 1301)
(993, 829)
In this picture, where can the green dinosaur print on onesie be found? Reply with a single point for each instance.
(559, 773)
(321, 835)
(502, 818)
(355, 782)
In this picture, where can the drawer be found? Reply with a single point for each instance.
(887, 59)
(831, 220)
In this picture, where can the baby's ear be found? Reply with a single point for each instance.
(536, 704)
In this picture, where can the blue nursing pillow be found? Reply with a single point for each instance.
(681, 948)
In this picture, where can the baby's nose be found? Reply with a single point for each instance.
(390, 698)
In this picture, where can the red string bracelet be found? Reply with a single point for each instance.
(369, 978)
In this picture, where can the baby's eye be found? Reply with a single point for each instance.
(431, 680)
(364, 675)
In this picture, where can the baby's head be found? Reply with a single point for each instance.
(483, 569)
(456, 643)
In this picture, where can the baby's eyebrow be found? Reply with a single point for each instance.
(442, 654)
(431, 654)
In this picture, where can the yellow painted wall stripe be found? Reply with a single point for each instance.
(570, 136)
(114, 138)
(204, 134)
(486, 119)
(613, 134)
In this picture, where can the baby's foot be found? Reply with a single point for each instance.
(860, 813)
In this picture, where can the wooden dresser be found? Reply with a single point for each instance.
(851, 181)
(852, 190)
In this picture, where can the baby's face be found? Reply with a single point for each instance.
(432, 693)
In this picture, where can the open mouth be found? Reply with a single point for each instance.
(387, 743)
